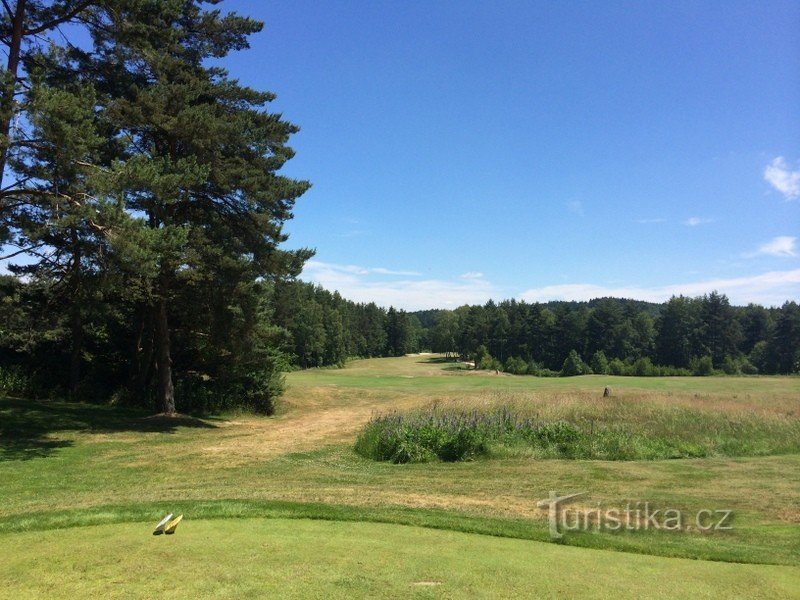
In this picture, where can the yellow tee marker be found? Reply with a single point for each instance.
(172, 525)
(161, 524)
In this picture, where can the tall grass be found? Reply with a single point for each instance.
(14, 381)
(576, 430)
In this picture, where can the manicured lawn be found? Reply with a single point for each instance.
(69, 470)
(280, 558)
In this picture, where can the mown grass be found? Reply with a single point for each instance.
(427, 374)
(279, 558)
(69, 466)
(575, 428)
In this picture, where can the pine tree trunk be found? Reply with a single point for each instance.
(142, 355)
(12, 68)
(166, 392)
(76, 319)
(76, 349)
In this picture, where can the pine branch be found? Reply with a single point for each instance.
(68, 16)
(21, 251)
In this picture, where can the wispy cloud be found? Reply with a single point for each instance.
(352, 233)
(780, 176)
(355, 270)
(646, 221)
(381, 271)
(576, 207)
(769, 289)
(783, 245)
(695, 221)
(410, 292)
(403, 289)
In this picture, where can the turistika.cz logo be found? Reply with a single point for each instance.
(635, 516)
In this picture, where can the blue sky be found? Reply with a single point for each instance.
(461, 150)
(540, 150)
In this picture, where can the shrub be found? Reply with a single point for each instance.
(731, 366)
(703, 366)
(643, 367)
(482, 358)
(516, 366)
(13, 381)
(617, 367)
(573, 365)
(748, 368)
(534, 368)
(549, 373)
(599, 363)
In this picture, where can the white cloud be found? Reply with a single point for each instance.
(695, 221)
(646, 221)
(314, 265)
(353, 233)
(769, 289)
(782, 178)
(381, 271)
(361, 285)
(783, 245)
(576, 206)
(410, 292)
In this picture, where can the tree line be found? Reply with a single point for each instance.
(324, 329)
(268, 329)
(683, 336)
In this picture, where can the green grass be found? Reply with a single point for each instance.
(238, 558)
(713, 546)
(430, 374)
(66, 468)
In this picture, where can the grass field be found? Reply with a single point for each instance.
(284, 503)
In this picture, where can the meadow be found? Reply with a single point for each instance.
(285, 505)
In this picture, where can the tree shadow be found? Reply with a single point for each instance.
(27, 427)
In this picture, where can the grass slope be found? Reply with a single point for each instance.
(314, 559)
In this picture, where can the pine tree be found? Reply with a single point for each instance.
(676, 326)
(201, 154)
(720, 333)
(23, 28)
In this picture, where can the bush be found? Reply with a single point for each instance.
(534, 368)
(703, 366)
(516, 366)
(574, 365)
(759, 357)
(549, 373)
(599, 363)
(643, 367)
(748, 368)
(13, 381)
(731, 366)
(617, 367)
(482, 358)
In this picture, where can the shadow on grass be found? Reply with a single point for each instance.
(27, 426)
(437, 360)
